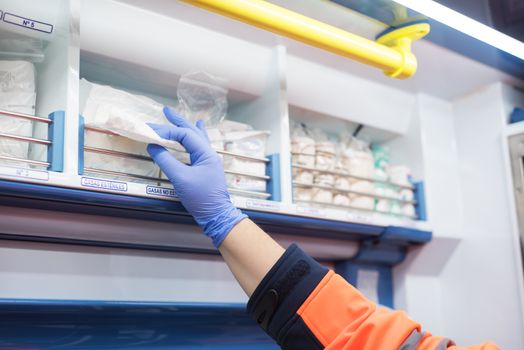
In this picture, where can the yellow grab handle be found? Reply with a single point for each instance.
(395, 62)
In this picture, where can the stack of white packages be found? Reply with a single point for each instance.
(241, 139)
(303, 154)
(17, 94)
(125, 114)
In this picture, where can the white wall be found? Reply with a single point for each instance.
(467, 282)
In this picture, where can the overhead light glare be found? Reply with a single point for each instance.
(466, 25)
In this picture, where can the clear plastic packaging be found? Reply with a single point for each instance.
(245, 183)
(244, 166)
(125, 114)
(322, 196)
(303, 160)
(400, 175)
(357, 158)
(202, 96)
(341, 199)
(250, 143)
(342, 183)
(362, 186)
(324, 179)
(303, 176)
(17, 94)
(301, 140)
(325, 151)
(362, 202)
(302, 194)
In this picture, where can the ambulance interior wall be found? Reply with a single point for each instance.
(467, 284)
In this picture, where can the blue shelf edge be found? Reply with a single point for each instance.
(39, 196)
(87, 324)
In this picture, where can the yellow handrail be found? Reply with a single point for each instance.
(394, 57)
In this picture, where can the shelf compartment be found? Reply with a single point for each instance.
(160, 180)
(348, 175)
(54, 144)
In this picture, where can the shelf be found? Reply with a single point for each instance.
(343, 174)
(271, 216)
(364, 194)
(127, 324)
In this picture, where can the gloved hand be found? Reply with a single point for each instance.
(201, 186)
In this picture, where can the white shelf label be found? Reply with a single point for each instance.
(24, 173)
(104, 184)
(28, 23)
(262, 205)
(161, 191)
(306, 210)
(360, 217)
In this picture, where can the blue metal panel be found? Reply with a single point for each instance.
(517, 115)
(405, 235)
(74, 324)
(56, 133)
(111, 204)
(420, 198)
(273, 170)
(81, 136)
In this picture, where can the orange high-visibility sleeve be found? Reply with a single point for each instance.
(304, 306)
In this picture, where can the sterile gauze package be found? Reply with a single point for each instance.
(301, 194)
(301, 140)
(341, 199)
(127, 115)
(325, 151)
(241, 139)
(245, 183)
(17, 94)
(322, 195)
(303, 176)
(302, 146)
(357, 158)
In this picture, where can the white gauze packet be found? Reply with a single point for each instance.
(17, 94)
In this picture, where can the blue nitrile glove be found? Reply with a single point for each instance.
(201, 186)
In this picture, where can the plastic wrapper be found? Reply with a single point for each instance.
(357, 158)
(363, 202)
(301, 140)
(245, 183)
(408, 210)
(406, 195)
(125, 114)
(303, 160)
(383, 205)
(400, 175)
(202, 96)
(246, 166)
(342, 183)
(325, 151)
(325, 161)
(302, 194)
(303, 176)
(17, 94)
(341, 199)
(362, 186)
(324, 179)
(322, 196)
(115, 163)
(249, 143)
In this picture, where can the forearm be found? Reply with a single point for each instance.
(250, 253)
